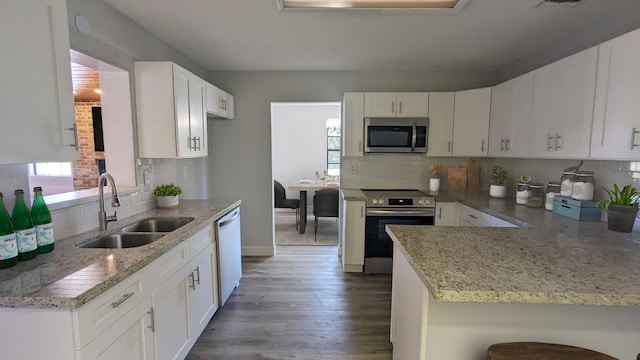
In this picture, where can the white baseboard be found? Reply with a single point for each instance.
(258, 251)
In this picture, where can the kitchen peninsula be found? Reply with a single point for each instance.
(457, 290)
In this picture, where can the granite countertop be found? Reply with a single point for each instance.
(69, 277)
(550, 260)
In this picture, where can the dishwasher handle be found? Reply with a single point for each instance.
(230, 220)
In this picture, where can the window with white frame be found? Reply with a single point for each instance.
(333, 147)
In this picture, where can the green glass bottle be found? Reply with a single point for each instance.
(8, 245)
(23, 226)
(42, 221)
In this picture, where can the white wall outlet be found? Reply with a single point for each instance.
(148, 177)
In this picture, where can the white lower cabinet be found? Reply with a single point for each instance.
(185, 303)
(352, 235)
(157, 312)
(203, 291)
(130, 337)
(446, 214)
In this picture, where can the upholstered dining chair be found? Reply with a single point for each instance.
(281, 201)
(325, 204)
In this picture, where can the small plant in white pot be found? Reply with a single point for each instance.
(498, 180)
(167, 195)
(621, 208)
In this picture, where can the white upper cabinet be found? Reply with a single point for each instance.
(405, 104)
(616, 119)
(353, 124)
(440, 124)
(563, 99)
(219, 103)
(511, 105)
(471, 122)
(36, 96)
(172, 121)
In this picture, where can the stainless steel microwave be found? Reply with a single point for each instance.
(396, 135)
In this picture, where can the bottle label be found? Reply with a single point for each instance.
(8, 247)
(26, 240)
(44, 234)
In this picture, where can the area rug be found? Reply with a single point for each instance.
(286, 233)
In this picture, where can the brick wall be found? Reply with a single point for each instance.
(85, 169)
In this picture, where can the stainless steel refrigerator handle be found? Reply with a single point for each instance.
(226, 222)
(413, 137)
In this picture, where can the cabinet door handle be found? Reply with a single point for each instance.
(501, 144)
(74, 128)
(449, 146)
(482, 146)
(192, 286)
(559, 143)
(399, 107)
(633, 138)
(507, 143)
(549, 138)
(440, 213)
(152, 326)
(393, 107)
(124, 298)
(472, 216)
(199, 143)
(197, 271)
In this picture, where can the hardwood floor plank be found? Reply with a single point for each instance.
(300, 305)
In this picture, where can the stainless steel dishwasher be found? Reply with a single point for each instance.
(229, 253)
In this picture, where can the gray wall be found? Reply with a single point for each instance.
(240, 151)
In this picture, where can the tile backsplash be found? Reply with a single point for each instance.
(409, 171)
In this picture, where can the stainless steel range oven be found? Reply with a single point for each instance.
(384, 207)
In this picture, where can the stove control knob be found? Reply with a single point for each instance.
(427, 201)
(421, 201)
(381, 201)
(374, 201)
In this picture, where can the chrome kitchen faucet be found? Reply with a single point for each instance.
(115, 201)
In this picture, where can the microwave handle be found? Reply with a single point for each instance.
(413, 137)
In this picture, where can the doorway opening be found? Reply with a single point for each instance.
(105, 131)
(305, 148)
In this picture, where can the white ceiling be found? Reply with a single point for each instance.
(486, 35)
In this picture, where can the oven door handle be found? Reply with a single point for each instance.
(401, 212)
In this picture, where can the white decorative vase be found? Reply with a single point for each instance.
(434, 184)
(498, 191)
(168, 202)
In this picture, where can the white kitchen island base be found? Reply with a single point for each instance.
(422, 328)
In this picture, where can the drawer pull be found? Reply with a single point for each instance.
(124, 298)
(473, 216)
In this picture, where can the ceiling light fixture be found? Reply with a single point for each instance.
(373, 4)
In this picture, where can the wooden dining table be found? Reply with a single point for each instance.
(305, 185)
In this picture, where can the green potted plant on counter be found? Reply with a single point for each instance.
(498, 179)
(621, 208)
(167, 195)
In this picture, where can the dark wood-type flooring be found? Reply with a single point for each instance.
(300, 305)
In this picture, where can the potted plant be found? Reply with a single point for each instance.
(621, 208)
(434, 181)
(498, 179)
(167, 195)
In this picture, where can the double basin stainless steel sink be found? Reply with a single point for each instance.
(139, 233)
